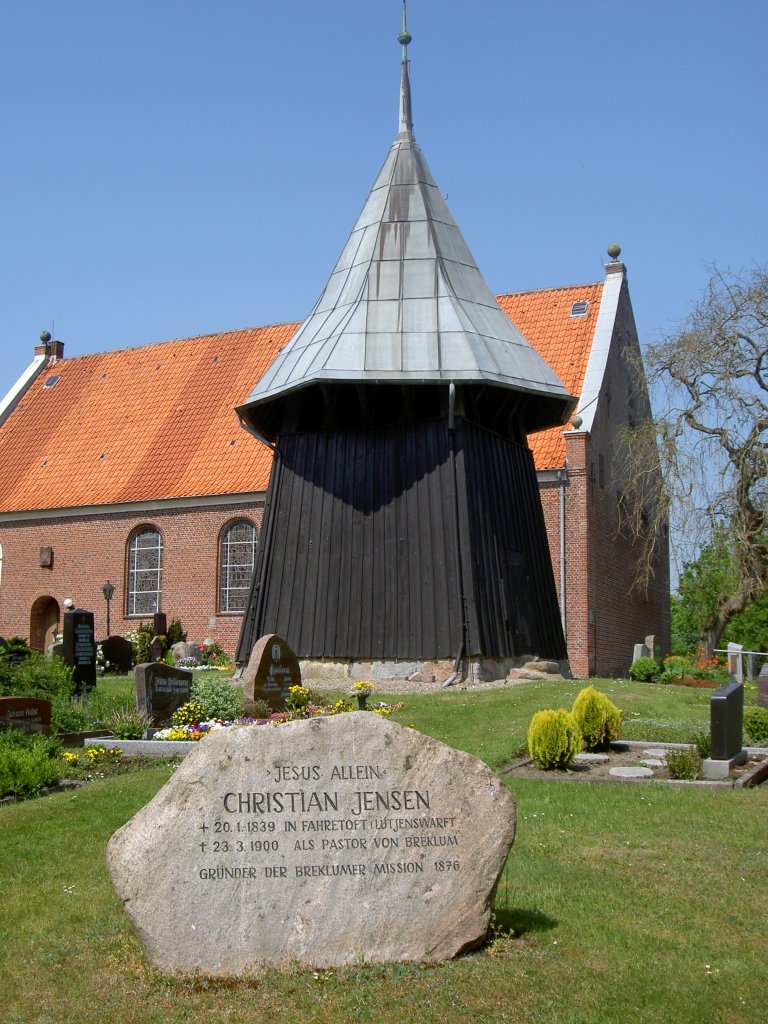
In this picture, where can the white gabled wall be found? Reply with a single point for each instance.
(11, 399)
(601, 345)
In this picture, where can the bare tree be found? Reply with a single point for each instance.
(709, 382)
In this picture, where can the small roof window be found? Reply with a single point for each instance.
(579, 308)
(51, 381)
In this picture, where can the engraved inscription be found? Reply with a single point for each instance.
(328, 816)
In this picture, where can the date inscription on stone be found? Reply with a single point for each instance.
(329, 842)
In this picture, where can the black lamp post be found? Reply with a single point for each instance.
(108, 590)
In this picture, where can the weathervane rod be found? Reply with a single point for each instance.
(406, 119)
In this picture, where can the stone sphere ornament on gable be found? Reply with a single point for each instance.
(325, 842)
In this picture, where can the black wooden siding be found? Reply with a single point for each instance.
(359, 555)
(514, 588)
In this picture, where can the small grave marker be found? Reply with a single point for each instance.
(156, 649)
(272, 669)
(118, 652)
(161, 689)
(29, 714)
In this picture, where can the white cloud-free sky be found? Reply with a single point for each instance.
(176, 168)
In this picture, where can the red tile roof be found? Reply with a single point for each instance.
(139, 424)
(544, 318)
(158, 422)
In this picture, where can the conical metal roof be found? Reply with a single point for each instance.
(406, 302)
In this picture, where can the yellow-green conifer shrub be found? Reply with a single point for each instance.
(597, 717)
(554, 738)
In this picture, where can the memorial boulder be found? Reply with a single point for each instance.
(327, 841)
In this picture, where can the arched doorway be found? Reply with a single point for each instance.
(43, 623)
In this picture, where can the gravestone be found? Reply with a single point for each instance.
(271, 670)
(160, 624)
(762, 686)
(639, 651)
(156, 649)
(80, 648)
(726, 718)
(654, 646)
(160, 689)
(327, 841)
(735, 662)
(118, 652)
(185, 650)
(29, 714)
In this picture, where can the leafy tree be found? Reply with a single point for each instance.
(709, 380)
(749, 627)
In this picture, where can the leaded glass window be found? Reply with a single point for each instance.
(237, 554)
(145, 572)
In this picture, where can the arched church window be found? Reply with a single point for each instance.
(237, 554)
(145, 572)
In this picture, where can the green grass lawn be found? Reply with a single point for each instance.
(493, 724)
(619, 903)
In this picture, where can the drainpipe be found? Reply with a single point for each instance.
(562, 479)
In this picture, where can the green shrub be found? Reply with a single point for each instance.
(189, 713)
(27, 763)
(258, 709)
(37, 676)
(212, 654)
(598, 718)
(554, 738)
(675, 667)
(141, 638)
(756, 726)
(68, 714)
(100, 704)
(644, 670)
(127, 723)
(703, 743)
(683, 763)
(175, 632)
(219, 697)
(15, 649)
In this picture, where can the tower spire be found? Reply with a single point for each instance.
(406, 119)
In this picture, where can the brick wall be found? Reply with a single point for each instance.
(89, 550)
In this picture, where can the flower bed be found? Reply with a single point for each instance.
(195, 731)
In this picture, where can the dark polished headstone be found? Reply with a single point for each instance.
(726, 711)
(160, 624)
(79, 648)
(160, 689)
(29, 714)
(118, 652)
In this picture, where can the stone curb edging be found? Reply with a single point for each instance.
(150, 748)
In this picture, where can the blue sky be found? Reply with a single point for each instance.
(176, 168)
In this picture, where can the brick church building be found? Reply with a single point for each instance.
(163, 495)
(130, 467)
